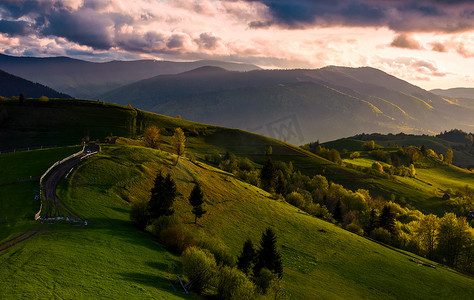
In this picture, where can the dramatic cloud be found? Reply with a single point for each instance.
(401, 16)
(405, 41)
(268, 33)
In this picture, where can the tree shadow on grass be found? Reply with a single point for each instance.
(154, 281)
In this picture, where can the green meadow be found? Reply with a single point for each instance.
(109, 258)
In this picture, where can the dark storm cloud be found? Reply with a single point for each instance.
(85, 27)
(13, 28)
(403, 16)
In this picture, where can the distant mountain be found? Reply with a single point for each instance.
(455, 92)
(297, 105)
(83, 79)
(461, 96)
(11, 85)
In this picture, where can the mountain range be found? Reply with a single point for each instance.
(297, 105)
(84, 79)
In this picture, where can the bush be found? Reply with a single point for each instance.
(380, 234)
(264, 279)
(162, 223)
(175, 239)
(233, 284)
(199, 266)
(217, 247)
(295, 199)
(43, 99)
(355, 228)
(138, 214)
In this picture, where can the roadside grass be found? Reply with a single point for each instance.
(17, 191)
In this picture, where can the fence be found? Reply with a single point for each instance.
(37, 215)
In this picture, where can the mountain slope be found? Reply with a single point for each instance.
(11, 85)
(83, 79)
(373, 101)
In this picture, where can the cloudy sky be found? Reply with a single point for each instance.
(427, 42)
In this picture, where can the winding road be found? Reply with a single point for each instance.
(53, 208)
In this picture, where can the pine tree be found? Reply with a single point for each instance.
(246, 258)
(196, 200)
(268, 176)
(162, 198)
(281, 185)
(387, 219)
(373, 221)
(337, 214)
(268, 256)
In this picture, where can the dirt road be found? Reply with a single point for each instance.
(53, 208)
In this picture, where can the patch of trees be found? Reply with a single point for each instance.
(457, 136)
(258, 271)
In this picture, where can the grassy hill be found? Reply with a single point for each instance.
(462, 157)
(110, 258)
(66, 122)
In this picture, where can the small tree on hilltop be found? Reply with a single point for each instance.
(162, 198)
(151, 137)
(178, 142)
(196, 200)
(268, 255)
(246, 258)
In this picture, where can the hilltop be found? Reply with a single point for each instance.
(11, 85)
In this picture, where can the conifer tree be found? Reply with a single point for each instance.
(337, 214)
(196, 200)
(246, 258)
(387, 219)
(373, 221)
(162, 198)
(268, 176)
(268, 255)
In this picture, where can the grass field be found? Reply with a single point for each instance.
(111, 259)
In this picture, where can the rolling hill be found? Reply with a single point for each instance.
(462, 96)
(110, 258)
(11, 85)
(297, 105)
(84, 79)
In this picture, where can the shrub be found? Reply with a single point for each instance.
(138, 214)
(355, 227)
(295, 199)
(199, 266)
(43, 99)
(381, 234)
(233, 284)
(354, 155)
(162, 223)
(175, 239)
(217, 247)
(263, 280)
